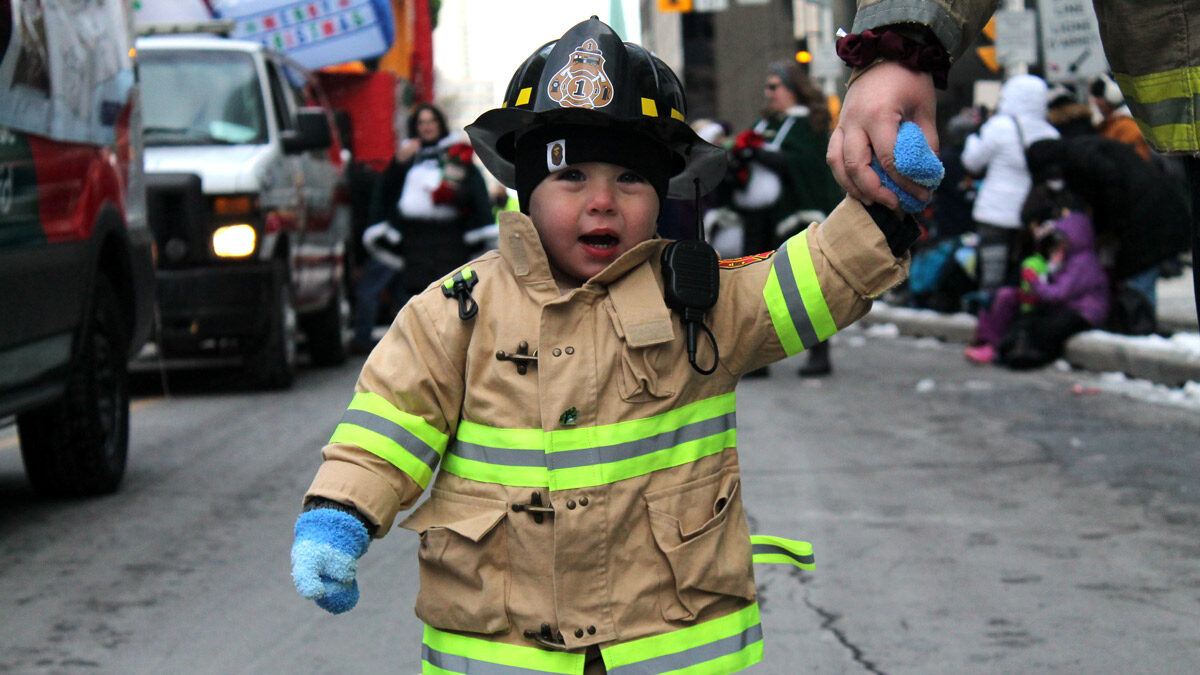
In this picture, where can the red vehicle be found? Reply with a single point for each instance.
(76, 270)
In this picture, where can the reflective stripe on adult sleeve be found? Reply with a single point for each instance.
(443, 652)
(722, 645)
(588, 456)
(1165, 106)
(409, 442)
(794, 298)
(768, 549)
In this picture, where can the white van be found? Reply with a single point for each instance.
(243, 169)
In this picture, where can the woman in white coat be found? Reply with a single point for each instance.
(998, 152)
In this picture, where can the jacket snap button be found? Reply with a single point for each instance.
(578, 632)
(557, 352)
(583, 501)
(570, 350)
(591, 630)
(570, 503)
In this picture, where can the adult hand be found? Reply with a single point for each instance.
(875, 105)
(407, 149)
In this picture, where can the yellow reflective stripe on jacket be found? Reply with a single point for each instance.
(715, 647)
(588, 456)
(409, 442)
(1165, 106)
(443, 652)
(768, 549)
(794, 298)
(505, 456)
(464, 274)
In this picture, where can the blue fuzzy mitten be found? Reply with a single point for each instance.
(325, 558)
(914, 160)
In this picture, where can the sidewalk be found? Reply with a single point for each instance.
(1169, 361)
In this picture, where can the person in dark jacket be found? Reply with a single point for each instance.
(427, 198)
(789, 142)
(1140, 219)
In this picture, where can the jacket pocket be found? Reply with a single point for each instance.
(463, 562)
(701, 529)
(639, 381)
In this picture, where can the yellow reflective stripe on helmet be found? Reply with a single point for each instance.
(588, 456)
(715, 647)
(794, 298)
(443, 652)
(1165, 106)
(675, 114)
(409, 442)
(768, 549)
(523, 96)
(649, 107)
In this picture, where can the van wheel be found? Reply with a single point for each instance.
(77, 445)
(327, 330)
(271, 362)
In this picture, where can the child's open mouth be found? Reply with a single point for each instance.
(600, 241)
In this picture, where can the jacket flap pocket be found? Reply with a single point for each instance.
(698, 506)
(471, 517)
(644, 317)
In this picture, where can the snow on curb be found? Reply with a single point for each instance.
(1172, 361)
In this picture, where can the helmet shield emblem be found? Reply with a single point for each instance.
(582, 82)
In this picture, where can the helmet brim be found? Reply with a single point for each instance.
(495, 132)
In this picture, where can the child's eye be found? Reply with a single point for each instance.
(571, 175)
(631, 177)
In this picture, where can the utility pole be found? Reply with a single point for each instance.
(1019, 67)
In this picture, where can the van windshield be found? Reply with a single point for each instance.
(201, 97)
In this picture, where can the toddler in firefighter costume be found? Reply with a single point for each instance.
(587, 515)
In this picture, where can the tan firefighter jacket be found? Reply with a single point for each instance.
(1153, 53)
(590, 496)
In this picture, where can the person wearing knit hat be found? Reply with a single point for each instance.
(585, 510)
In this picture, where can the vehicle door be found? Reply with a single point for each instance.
(312, 267)
(43, 236)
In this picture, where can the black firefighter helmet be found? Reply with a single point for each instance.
(589, 77)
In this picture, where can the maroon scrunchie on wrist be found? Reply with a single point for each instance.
(859, 50)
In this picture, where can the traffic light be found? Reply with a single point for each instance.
(802, 53)
(987, 53)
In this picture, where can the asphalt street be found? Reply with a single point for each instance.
(964, 520)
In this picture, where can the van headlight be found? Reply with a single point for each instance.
(234, 241)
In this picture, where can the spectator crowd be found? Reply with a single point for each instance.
(1054, 215)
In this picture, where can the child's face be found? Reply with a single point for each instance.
(588, 214)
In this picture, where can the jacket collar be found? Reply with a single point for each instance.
(633, 286)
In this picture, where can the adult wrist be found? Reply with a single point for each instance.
(910, 46)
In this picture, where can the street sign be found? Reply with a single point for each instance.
(1070, 41)
(1016, 37)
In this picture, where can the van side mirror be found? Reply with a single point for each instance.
(311, 132)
